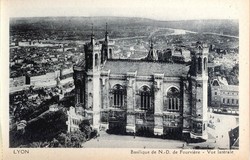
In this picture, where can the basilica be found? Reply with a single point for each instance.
(134, 96)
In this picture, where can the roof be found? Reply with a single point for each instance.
(222, 80)
(80, 63)
(144, 68)
(138, 55)
(230, 87)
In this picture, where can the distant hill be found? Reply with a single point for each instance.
(227, 27)
(118, 26)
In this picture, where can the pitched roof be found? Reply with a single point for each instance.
(234, 137)
(144, 68)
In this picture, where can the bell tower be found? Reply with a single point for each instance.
(199, 85)
(92, 82)
(92, 54)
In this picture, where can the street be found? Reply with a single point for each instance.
(223, 124)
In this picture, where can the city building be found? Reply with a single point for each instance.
(142, 95)
(224, 97)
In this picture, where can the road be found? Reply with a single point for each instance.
(125, 141)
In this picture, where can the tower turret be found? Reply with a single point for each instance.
(92, 53)
(105, 46)
(152, 55)
(199, 84)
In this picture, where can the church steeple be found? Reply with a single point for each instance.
(106, 33)
(92, 36)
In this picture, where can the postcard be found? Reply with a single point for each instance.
(128, 79)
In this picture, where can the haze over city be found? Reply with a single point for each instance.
(158, 10)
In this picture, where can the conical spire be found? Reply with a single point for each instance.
(151, 44)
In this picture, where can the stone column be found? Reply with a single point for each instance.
(158, 103)
(186, 107)
(105, 95)
(105, 89)
(96, 101)
(131, 79)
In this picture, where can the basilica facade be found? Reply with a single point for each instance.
(135, 96)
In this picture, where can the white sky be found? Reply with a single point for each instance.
(154, 9)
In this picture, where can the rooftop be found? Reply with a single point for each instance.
(230, 88)
(138, 55)
(144, 68)
(80, 62)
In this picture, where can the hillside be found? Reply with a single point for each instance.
(76, 28)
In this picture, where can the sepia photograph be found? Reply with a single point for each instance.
(154, 78)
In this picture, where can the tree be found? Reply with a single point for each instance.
(74, 139)
(35, 145)
(54, 143)
(85, 128)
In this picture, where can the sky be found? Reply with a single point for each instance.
(153, 9)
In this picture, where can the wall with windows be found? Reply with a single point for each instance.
(140, 96)
(144, 95)
(224, 97)
(154, 102)
(229, 98)
(215, 96)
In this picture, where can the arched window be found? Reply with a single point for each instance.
(146, 98)
(105, 54)
(193, 67)
(79, 91)
(172, 100)
(119, 95)
(110, 53)
(96, 59)
(205, 63)
(199, 64)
